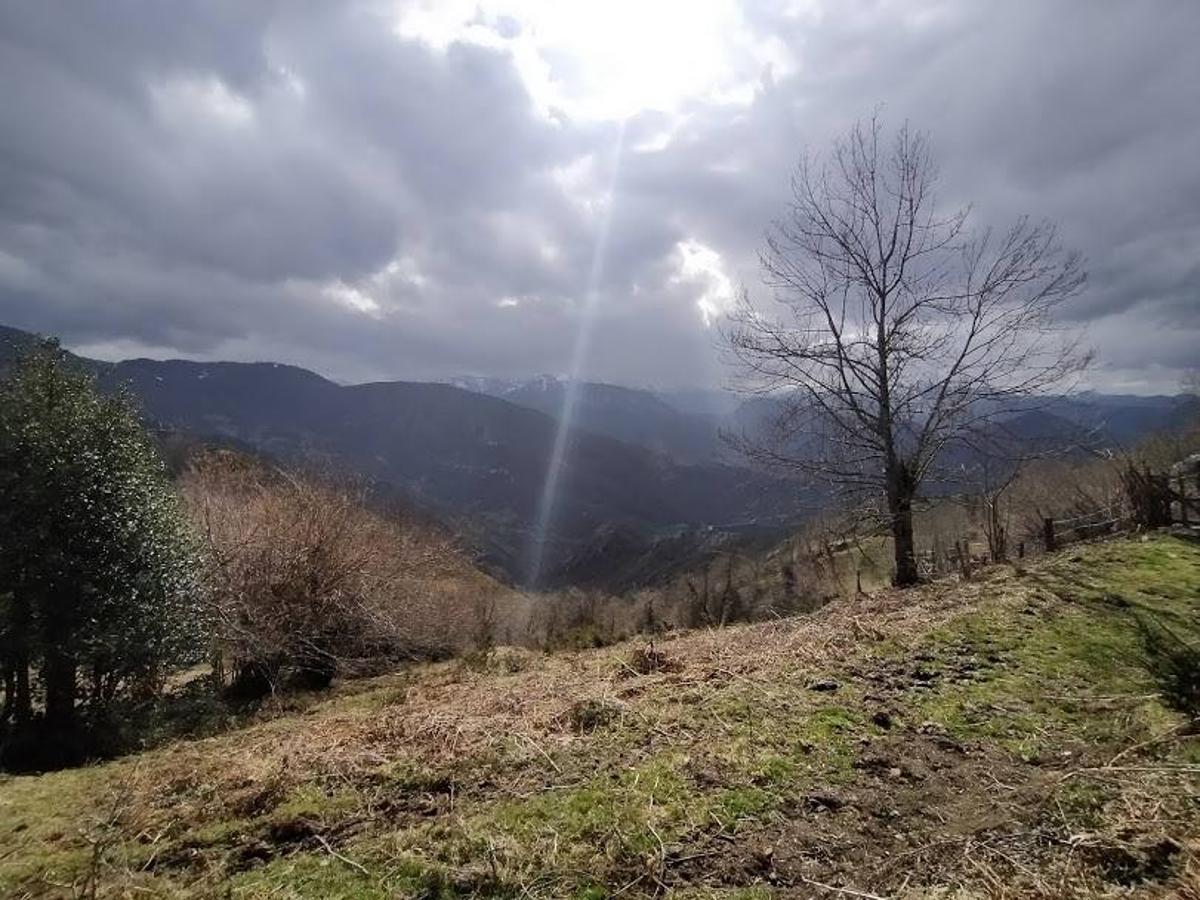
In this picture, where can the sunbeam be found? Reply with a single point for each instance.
(550, 487)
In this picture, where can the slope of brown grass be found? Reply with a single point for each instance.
(1003, 737)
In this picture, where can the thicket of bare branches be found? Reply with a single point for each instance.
(306, 582)
(1007, 508)
(904, 335)
(730, 588)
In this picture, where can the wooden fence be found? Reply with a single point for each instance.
(1152, 500)
(1184, 483)
(1112, 519)
(1054, 534)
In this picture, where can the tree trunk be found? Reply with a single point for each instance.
(996, 537)
(23, 701)
(59, 674)
(22, 708)
(902, 537)
(10, 691)
(900, 497)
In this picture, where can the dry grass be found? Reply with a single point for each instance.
(581, 774)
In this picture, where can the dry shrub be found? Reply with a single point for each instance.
(306, 582)
(499, 660)
(1062, 488)
(591, 714)
(1073, 486)
(725, 590)
(511, 660)
(576, 619)
(648, 660)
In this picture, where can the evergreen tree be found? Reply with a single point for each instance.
(97, 596)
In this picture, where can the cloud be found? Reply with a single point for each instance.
(415, 191)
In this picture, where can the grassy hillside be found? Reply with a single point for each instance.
(1004, 737)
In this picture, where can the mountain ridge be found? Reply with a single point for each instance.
(479, 461)
(636, 466)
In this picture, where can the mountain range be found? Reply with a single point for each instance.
(641, 469)
(477, 460)
(633, 415)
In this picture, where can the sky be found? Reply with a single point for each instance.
(418, 190)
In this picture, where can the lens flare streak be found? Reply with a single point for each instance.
(583, 337)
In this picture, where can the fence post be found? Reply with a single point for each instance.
(1021, 550)
(1161, 498)
(1197, 480)
(1183, 499)
(1048, 535)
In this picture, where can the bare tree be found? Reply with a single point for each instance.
(993, 487)
(904, 334)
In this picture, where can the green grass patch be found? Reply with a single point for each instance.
(305, 875)
(1077, 644)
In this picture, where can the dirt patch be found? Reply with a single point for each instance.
(914, 801)
(1136, 863)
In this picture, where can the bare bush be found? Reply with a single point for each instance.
(649, 660)
(306, 582)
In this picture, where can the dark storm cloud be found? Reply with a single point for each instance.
(298, 182)
(197, 194)
(1082, 113)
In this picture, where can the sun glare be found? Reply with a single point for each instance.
(702, 266)
(609, 60)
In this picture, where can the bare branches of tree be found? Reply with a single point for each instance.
(305, 582)
(903, 332)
